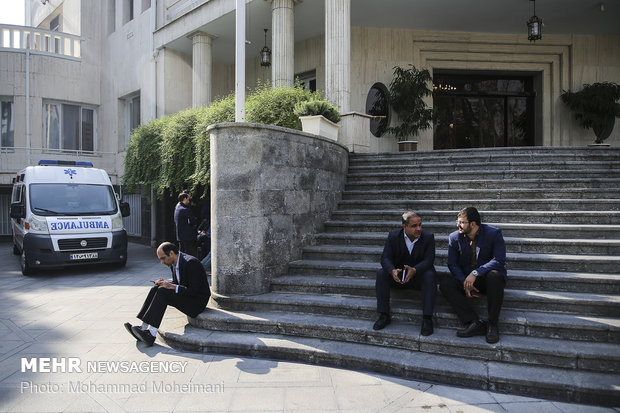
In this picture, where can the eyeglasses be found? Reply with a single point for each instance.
(459, 223)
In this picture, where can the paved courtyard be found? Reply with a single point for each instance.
(72, 320)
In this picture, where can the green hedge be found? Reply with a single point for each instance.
(172, 153)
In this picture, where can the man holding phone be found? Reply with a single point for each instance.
(189, 292)
(407, 262)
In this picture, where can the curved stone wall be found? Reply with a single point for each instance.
(272, 188)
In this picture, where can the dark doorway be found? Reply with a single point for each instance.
(483, 110)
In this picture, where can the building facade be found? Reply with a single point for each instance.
(82, 74)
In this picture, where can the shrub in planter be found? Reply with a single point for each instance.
(406, 96)
(276, 106)
(317, 107)
(595, 106)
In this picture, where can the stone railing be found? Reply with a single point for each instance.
(39, 41)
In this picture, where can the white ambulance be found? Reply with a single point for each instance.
(66, 213)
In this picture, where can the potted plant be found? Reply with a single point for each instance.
(595, 106)
(406, 95)
(319, 117)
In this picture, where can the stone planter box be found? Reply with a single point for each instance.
(407, 146)
(319, 125)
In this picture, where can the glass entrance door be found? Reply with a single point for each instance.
(475, 111)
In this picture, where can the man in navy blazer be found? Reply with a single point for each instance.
(477, 261)
(407, 262)
(189, 292)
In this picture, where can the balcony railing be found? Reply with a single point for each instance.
(39, 41)
(12, 159)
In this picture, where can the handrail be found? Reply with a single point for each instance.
(40, 41)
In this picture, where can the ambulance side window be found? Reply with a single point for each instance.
(18, 194)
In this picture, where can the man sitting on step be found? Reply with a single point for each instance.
(477, 261)
(189, 292)
(407, 262)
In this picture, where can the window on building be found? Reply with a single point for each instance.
(55, 24)
(307, 80)
(7, 124)
(146, 4)
(111, 16)
(128, 11)
(69, 127)
(132, 105)
(377, 106)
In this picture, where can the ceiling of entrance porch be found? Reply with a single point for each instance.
(483, 16)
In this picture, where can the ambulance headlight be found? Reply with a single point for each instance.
(38, 225)
(117, 222)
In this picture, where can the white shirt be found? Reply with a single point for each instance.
(409, 243)
(176, 271)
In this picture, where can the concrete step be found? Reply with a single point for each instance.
(397, 182)
(573, 217)
(518, 261)
(561, 384)
(476, 156)
(543, 194)
(574, 327)
(455, 205)
(407, 174)
(351, 305)
(584, 356)
(508, 229)
(578, 282)
(513, 244)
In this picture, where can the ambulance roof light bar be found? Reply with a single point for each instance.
(48, 162)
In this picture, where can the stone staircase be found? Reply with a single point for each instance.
(559, 210)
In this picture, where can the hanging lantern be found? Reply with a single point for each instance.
(265, 54)
(534, 26)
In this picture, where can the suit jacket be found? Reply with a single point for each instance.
(491, 252)
(185, 223)
(193, 281)
(396, 255)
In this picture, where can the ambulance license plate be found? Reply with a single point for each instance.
(84, 256)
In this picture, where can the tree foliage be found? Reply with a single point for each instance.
(406, 95)
(173, 153)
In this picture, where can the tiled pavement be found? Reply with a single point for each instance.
(78, 314)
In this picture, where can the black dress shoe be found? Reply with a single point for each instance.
(492, 333)
(427, 327)
(475, 328)
(143, 335)
(384, 320)
(128, 327)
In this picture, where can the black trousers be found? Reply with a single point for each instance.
(158, 299)
(492, 284)
(188, 247)
(424, 282)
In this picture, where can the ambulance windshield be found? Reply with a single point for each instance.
(72, 199)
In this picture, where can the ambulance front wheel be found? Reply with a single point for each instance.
(26, 269)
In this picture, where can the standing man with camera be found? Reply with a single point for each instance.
(185, 223)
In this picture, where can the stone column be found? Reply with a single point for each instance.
(283, 42)
(338, 53)
(201, 69)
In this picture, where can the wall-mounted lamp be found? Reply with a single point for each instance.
(265, 53)
(534, 26)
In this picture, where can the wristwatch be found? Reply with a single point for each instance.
(475, 272)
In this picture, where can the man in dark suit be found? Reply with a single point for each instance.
(189, 292)
(477, 261)
(407, 262)
(185, 223)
